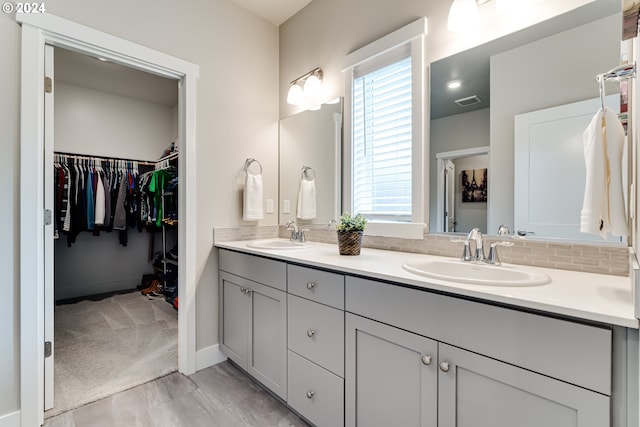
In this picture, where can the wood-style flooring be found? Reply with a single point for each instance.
(217, 396)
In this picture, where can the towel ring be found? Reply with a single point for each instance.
(305, 173)
(249, 162)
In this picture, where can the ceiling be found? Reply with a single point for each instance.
(471, 67)
(89, 72)
(274, 11)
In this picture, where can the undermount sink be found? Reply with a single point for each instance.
(478, 274)
(279, 244)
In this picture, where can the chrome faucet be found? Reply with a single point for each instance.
(476, 235)
(297, 233)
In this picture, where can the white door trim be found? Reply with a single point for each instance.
(38, 30)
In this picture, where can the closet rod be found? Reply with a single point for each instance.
(168, 157)
(87, 157)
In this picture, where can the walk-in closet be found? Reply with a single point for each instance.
(116, 259)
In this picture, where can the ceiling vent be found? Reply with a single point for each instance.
(469, 100)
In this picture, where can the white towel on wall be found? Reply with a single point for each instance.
(603, 209)
(252, 198)
(307, 199)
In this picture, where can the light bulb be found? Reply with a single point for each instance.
(295, 95)
(313, 91)
(463, 16)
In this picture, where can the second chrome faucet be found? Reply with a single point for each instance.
(475, 235)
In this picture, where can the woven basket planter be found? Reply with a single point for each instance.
(349, 242)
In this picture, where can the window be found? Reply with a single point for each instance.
(382, 142)
(385, 165)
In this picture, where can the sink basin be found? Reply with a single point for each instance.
(478, 274)
(279, 244)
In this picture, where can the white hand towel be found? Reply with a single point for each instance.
(252, 200)
(307, 199)
(603, 209)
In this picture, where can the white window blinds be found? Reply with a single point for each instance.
(382, 142)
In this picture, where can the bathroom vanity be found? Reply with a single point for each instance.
(361, 341)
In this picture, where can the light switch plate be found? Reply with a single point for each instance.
(286, 208)
(269, 206)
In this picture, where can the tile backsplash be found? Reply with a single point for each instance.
(590, 258)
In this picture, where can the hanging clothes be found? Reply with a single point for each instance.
(94, 194)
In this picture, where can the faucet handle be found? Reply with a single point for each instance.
(493, 257)
(466, 252)
(301, 236)
(503, 230)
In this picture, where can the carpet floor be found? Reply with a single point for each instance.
(108, 346)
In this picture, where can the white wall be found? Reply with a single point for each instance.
(97, 123)
(466, 130)
(322, 33)
(237, 117)
(565, 68)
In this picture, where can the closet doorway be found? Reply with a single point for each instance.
(115, 221)
(455, 212)
(36, 259)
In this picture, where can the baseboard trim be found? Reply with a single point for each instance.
(10, 420)
(208, 356)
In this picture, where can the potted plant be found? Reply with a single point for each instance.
(350, 229)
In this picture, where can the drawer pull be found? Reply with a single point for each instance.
(311, 333)
(444, 366)
(310, 285)
(310, 394)
(426, 359)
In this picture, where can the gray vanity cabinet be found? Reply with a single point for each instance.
(316, 344)
(485, 366)
(395, 377)
(391, 376)
(477, 391)
(253, 320)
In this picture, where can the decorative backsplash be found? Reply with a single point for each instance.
(589, 258)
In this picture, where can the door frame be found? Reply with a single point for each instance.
(38, 30)
(441, 159)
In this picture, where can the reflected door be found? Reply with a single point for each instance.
(449, 196)
(549, 169)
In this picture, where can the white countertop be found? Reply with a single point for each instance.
(595, 297)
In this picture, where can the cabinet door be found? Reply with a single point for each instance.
(267, 360)
(234, 318)
(477, 391)
(390, 376)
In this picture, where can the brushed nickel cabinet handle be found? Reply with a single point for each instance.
(310, 285)
(444, 366)
(311, 333)
(310, 394)
(426, 359)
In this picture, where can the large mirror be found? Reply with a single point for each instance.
(536, 77)
(310, 147)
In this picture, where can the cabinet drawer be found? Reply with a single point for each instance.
(317, 394)
(316, 332)
(573, 352)
(262, 270)
(316, 285)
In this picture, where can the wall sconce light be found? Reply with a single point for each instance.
(306, 90)
(463, 15)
